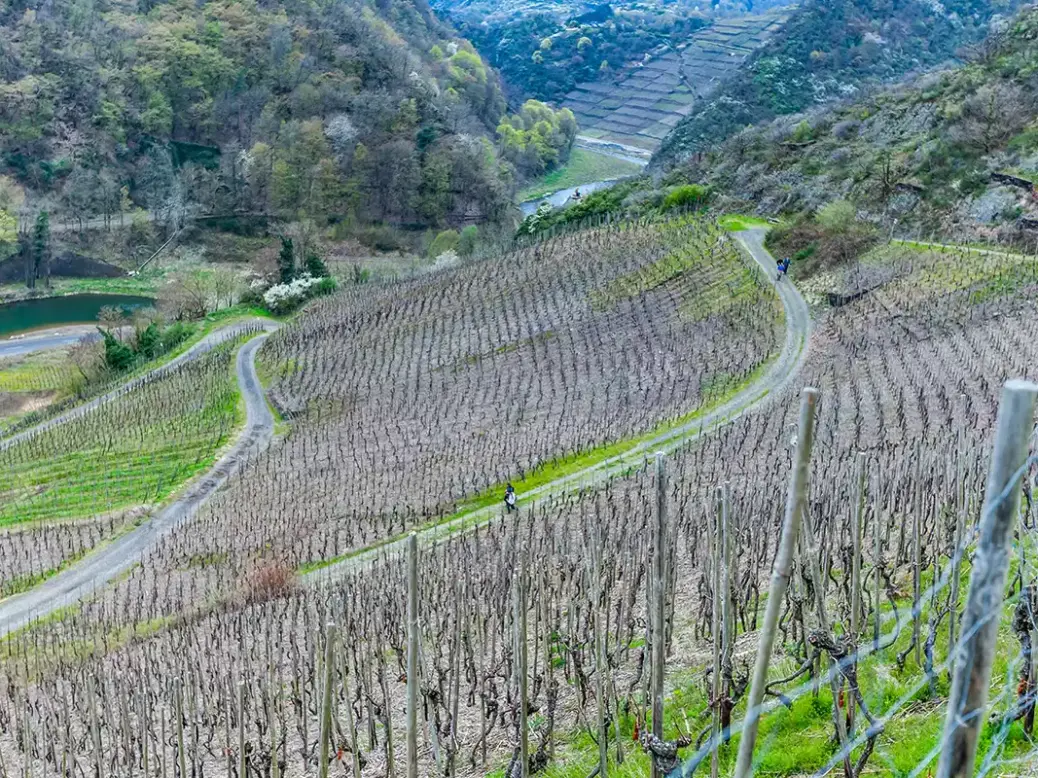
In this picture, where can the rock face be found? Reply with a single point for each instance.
(65, 264)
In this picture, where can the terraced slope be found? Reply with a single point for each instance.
(648, 99)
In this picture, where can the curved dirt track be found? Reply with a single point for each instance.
(102, 565)
(207, 343)
(779, 374)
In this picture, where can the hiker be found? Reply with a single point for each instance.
(510, 499)
(576, 195)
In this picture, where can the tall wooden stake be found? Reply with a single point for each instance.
(412, 656)
(178, 697)
(326, 700)
(879, 519)
(917, 558)
(780, 575)
(521, 676)
(243, 765)
(979, 629)
(715, 634)
(659, 577)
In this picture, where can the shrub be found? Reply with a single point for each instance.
(446, 241)
(269, 582)
(687, 196)
(175, 334)
(149, 341)
(315, 266)
(118, 356)
(467, 241)
(837, 218)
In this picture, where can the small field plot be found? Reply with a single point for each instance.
(584, 167)
(34, 381)
(132, 450)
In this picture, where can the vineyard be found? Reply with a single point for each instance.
(74, 485)
(602, 624)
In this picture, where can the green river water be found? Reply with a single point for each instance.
(56, 311)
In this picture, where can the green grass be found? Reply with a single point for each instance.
(734, 222)
(134, 450)
(584, 167)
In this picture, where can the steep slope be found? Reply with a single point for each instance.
(834, 49)
(953, 149)
(331, 108)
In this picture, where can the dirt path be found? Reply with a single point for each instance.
(210, 341)
(778, 377)
(104, 564)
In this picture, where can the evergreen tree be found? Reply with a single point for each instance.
(315, 266)
(41, 249)
(286, 260)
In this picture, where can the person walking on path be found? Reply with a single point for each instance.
(510, 499)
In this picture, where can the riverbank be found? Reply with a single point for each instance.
(584, 167)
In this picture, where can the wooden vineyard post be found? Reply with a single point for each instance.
(178, 695)
(917, 560)
(727, 614)
(859, 510)
(878, 520)
(243, 764)
(412, 656)
(975, 651)
(715, 634)
(275, 767)
(780, 575)
(601, 663)
(521, 675)
(659, 577)
(326, 700)
(95, 726)
(350, 721)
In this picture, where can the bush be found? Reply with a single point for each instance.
(315, 266)
(446, 241)
(270, 582)
(687, 196)
(149, 341)
(175, 334)
(837, 218)
(467, 241)
(118, 356)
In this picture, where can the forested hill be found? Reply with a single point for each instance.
(316, 109)
(832, 49)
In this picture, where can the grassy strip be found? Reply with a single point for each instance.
(735, 222)
(584, 167)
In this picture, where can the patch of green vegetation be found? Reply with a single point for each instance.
(134, 450)
(735, 222)
(584, 167)
(41, 371)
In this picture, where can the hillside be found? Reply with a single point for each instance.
(338, 109)
(640, 106)
(832, 50)
(952, 150)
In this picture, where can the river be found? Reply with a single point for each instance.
(56, 311)
(560, 198)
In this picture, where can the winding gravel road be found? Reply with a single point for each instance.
(779, 375)
(108, 561)
(208, 343)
